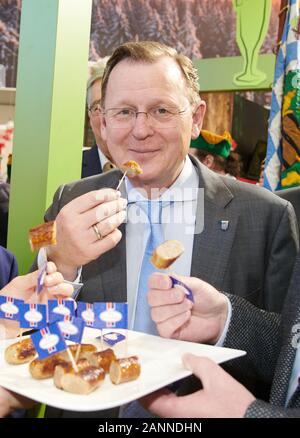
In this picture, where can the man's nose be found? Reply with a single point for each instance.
(142, 125)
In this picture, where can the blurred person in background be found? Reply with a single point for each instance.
(215, 151)
(96, 159)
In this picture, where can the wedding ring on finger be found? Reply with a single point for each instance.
(97, 232)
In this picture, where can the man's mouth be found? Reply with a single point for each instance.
(143, 151)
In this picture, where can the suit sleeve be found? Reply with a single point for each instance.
(55, 207)
(258, 332)
(284, 247)
(261, 409)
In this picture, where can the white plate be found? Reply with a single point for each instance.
(160, 361)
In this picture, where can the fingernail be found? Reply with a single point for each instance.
(124, 202)
(118, 193)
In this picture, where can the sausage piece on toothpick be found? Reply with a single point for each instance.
(124, 370)
(131, 169)
(83, 382)
(21, 352)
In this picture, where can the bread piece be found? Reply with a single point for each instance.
(124, 370)
(83, 382)
(84, 350)
(42, 235)
(20, 352)
(44, 368)
(166, 253)
(67, 367)
(102, 359)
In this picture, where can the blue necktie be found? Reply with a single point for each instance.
(143, 321)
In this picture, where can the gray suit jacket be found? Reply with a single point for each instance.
(253, 258)
(271, 344)
(293, 196)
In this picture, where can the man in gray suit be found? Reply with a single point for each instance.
(272, 343)
(150, 110)
(249, 240)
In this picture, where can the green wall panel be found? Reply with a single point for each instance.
(50, 108)
(217, 74)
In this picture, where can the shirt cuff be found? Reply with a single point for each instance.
(221, 339)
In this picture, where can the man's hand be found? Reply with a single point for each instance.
(221, 397)
(178, 318)
(77, 242)
(10, 401)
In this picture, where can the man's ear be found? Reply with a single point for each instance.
(103, 127)
(198, 117)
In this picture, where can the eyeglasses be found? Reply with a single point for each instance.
(158, 117)
(95, 109)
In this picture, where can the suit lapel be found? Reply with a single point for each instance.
(213, 243)
(112, 266)
(91, 164)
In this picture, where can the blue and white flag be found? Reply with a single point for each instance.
(71, 328)
(58, 309)
(180, 285)
(48, 341)
(288, 59)
(10, 308)
(33, 316)
(112, 338)
(86, 311)
(112, 315)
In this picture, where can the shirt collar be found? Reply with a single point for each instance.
(185, 188)
(102, 157)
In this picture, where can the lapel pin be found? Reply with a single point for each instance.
(224, 225)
